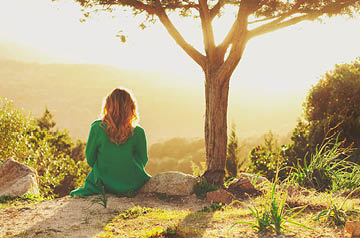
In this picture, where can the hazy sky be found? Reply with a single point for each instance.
(54, 29)
(281, 63)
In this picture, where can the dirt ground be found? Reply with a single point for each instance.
(78, 217)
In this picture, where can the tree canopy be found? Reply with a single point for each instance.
(262, 16)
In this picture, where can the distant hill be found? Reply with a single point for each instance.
(74, 94)
(18, 52)
(169, 106)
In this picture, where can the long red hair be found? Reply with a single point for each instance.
(119, 114)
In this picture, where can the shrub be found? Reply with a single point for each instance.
(266, 158)
(15, 128)
(328, 168)
(48, 152)
(202, 187)
(331, 104)
(233, 162)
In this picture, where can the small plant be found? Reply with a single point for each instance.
(135, 212)
(335, 215)
(31, 197)
(5, 198)
(171, 231)
(347, 178)
(101, 198)
(202, 187)
(213, 207)
(274, 214)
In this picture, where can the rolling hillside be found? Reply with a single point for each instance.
(74, 94)
(169, 106)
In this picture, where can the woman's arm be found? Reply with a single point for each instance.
(92, 144)
(141, 147)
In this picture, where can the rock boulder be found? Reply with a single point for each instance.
(352, 228)
(17, 179)
(220, 196)
(171, 183)
(244, 184)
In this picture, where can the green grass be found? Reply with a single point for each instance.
(270, 215)
(151, 222)
(273, 214)
(6, 201)
(101, 199)
(328, 169)
(202, 187)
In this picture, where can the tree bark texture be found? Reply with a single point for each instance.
(216, 94)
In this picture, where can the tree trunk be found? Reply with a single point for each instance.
(216, 94)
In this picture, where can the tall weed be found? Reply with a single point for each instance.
(328, 168)
(273, 215)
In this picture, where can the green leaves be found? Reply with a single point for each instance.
(201, 187)
(328, 168)
(273, 215)
(59, 164)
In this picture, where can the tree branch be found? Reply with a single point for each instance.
(332, 8)
(224, 45)
(276, 24)
(216, 9)
(238, 38)
(174, 33)
(263, 19)
(136, 4)
(208, 34)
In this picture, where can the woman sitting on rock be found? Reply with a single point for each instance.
(116, 149)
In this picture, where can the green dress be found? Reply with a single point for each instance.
(119, 169)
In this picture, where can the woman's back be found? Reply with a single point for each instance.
(121, 167)
(117, 160)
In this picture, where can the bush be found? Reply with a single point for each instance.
(15, 128)
(265, 159)
(331, 105)
(233, 162)
(48, 152)
(328, 168)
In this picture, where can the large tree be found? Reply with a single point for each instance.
(253, 18)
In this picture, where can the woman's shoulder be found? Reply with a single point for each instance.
(138, 129)
(97, 124)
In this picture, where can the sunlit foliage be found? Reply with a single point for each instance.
(267, 158)
(58, 163)
(331, 112)
(331, 105)
(233, 162)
